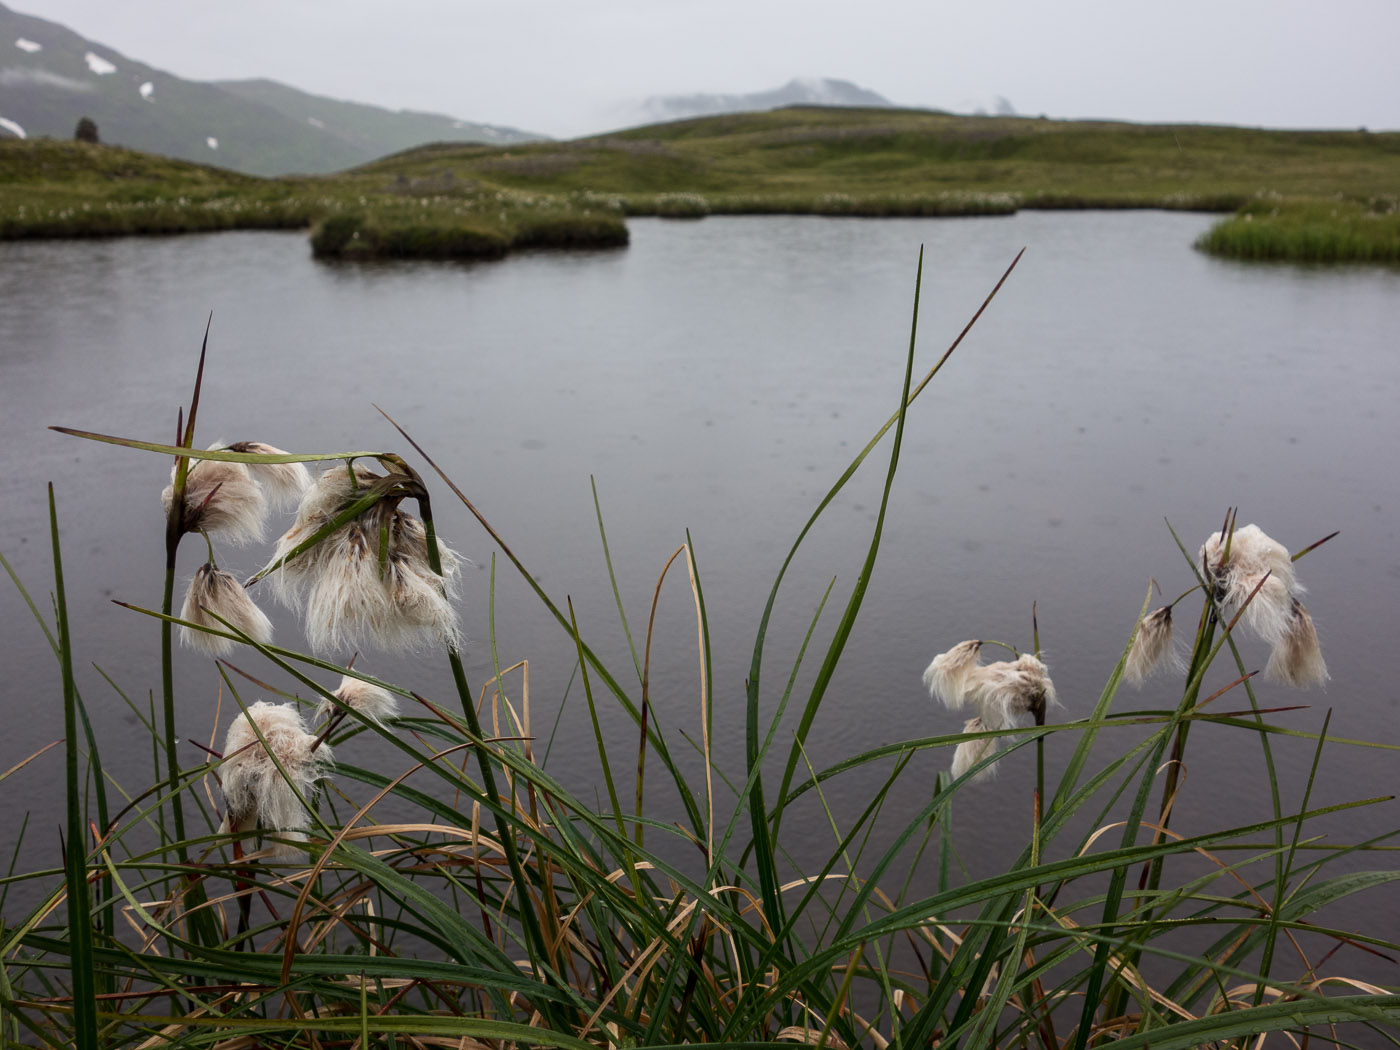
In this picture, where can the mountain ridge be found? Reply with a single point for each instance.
(51, 76)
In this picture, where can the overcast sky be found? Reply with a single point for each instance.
(569, 67)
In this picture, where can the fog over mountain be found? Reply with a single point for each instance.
(802, 91)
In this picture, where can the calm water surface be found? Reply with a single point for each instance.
(717, 377)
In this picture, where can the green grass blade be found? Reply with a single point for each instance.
(80, 956)
(612, 579)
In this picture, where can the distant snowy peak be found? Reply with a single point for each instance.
(823, 91)
(803, 91)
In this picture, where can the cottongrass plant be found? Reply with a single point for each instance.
(1297, 656)
(1008, 694)
(1253, 574)
(1152, 647)
(370, 581)
(270, 772)
(222, 499)
(215, 602)
(467, 898)
(366, 699)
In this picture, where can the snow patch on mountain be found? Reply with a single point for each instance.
(11, 126)
(28, 45)
(147, 90)
(98, 64)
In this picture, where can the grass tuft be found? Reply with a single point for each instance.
(1312, 230)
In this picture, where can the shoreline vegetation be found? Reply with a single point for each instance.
(1325, 196)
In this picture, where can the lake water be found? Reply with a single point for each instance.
(718, 376)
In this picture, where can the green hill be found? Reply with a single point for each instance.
(793, 157)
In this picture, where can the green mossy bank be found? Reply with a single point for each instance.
(1327, 196)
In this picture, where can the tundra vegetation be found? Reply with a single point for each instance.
(1302, 195)
(463, 895)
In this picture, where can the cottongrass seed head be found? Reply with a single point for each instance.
(1275, 613)
(946, 677)
(335, 489)
(221, 499)
(353, 593)
(1253, 557)
(1296, 659)
(1012, 694)
(285, 482)
(1007, 695)
(214, 595)
(1152, 646)
(970, 752)
(256, 794)
(377, 704)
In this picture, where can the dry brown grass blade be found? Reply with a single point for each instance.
(1316, 544)
(266, 686)
(25, 761)
(809, 1037)
(1180, 782)
(704, 709)
(168, 1034)
(646, 684)
(495, 686)
(1265, 908)
(1121, 968)
(336, 910)
(1225, 689)
(213, 741)
(294, 919)
(642, 964)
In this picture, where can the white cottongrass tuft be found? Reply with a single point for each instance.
(1253, 557)
(285, 482)
(1007, 695)
(256, 794)
(1152, 646)
(213, 591)
(346, 601)
(320, 502)
(946, 677)
(369, 582)
(970, 752)
(1297, 657)
(376, 704)
(221, 499)
(1012, 694)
